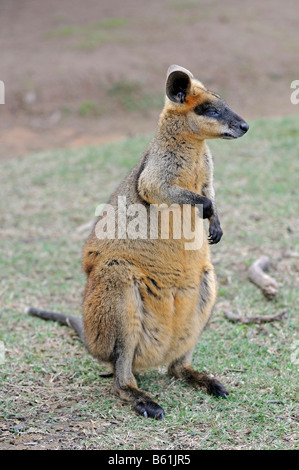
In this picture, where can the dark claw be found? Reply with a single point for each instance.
(215, 234)
(106, 375)
(149, 409)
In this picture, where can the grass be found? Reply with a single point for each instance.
(89, 109)
(51, 396)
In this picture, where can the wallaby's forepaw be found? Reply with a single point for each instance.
(207, 209)
(215, 232)
(149, 409)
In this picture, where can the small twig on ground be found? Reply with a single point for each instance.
(255, 318)
(84, 227)
(266, 283)
(290, 254)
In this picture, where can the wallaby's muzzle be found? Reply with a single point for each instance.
(236, 126)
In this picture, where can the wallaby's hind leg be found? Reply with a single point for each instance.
(113, 311)
(126, 387)
(181, 367)
(123, 354)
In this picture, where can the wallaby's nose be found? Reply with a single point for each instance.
(244, 126)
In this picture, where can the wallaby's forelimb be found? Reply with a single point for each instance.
(68, 320)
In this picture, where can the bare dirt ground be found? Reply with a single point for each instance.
(78, 73)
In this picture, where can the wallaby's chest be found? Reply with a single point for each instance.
(191, 172)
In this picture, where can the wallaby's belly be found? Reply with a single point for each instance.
(168, 326)
(171, 319)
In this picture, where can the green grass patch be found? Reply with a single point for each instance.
(51, 395)
(90, 109)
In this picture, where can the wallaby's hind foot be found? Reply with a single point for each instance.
(149, 409)
(198, 379)
(142, 403)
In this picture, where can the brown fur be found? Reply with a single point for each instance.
(146, 302)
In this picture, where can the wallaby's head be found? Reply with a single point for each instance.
(201, 111)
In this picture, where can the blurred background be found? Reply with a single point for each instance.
(86, 72)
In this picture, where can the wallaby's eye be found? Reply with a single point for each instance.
(206, 110)
(212, 112)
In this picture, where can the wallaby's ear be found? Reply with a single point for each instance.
(178, 83)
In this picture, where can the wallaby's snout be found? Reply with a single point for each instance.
(235, 125)
(244, 127)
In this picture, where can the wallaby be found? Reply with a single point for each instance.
(146, 301)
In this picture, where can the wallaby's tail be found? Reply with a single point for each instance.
(69, 320)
